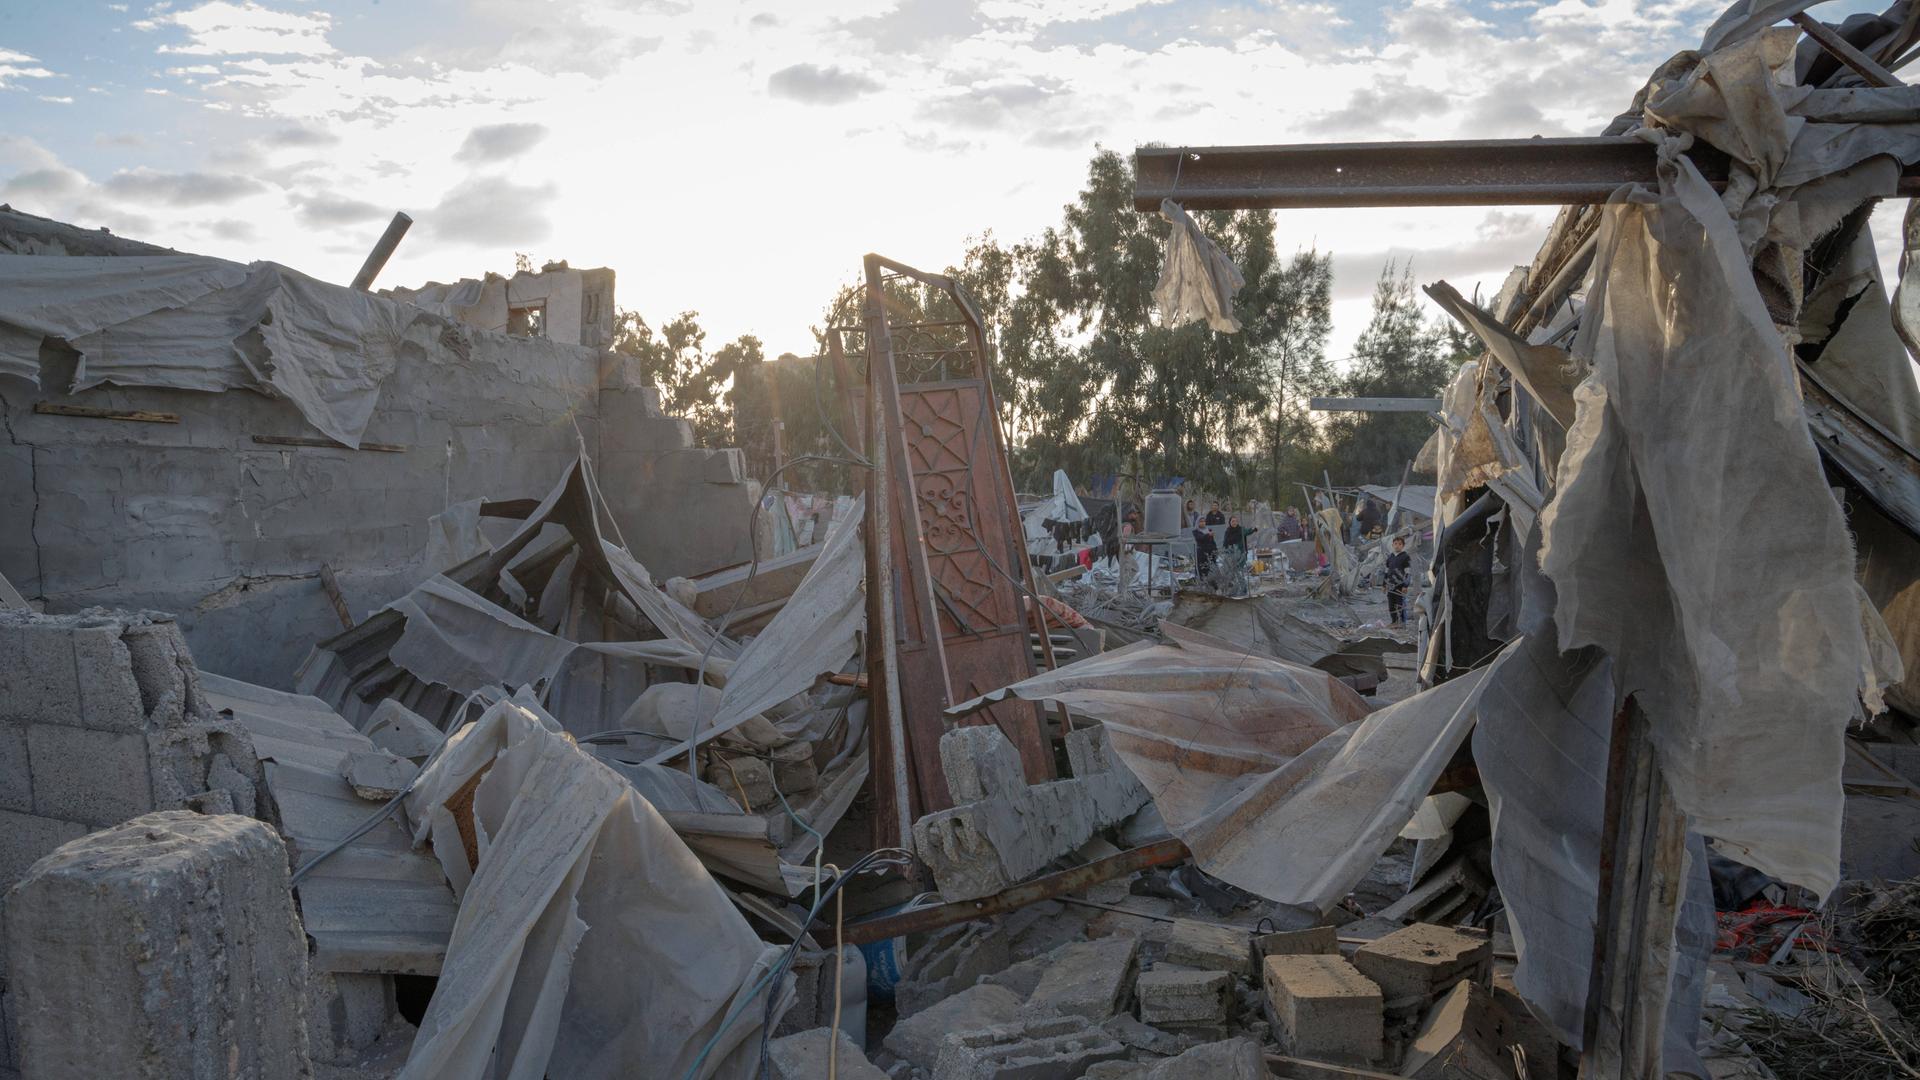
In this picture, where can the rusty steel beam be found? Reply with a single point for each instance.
(1022, 895)
(1472, 172)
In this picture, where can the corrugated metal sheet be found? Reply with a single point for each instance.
(376, 906)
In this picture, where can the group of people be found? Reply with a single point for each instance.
(1206, 549)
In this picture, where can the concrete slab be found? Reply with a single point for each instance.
(1422, 961)
(1088, 978)
(1202, 945)
(916, 1039)
(1318, 940)
(804, 1056)
(1459, 1040)
(1228, 1059)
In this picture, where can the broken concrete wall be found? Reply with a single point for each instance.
(575, 306)
(101, 720)
(200, 518)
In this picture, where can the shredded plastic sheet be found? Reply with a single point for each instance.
(1546, 371)
(813, 634)
(195, 323)
(1274, 775)
(1545, 722)
(1694, 539)
(590, 941)
(1198, 281)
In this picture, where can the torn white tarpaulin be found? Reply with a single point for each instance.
(811, 636)
(1198, 280)
(1062, 505)
(195, 323)
(590, 941)
(1694, 539)
(1274, 775)
(1541, 744)
(1546, 371)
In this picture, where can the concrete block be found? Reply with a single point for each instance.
(1324, 1008)
(1178, 996)
(95, 777)
(1422, 961)
(1228, 1059)
(376, 775)
(986, 845)
(804, 1056)
(1088, 978)
(110, 698)
(1317, 940)
(793, 768)
(24, 838)
(1214, 948)
(980, 762)
(1460, 1039)
(16, 774)
(38, 683)
(745, 777)
(163, 669)
(917, 1038)
(1038, 1048)
(1137, 1035)
(163, 948)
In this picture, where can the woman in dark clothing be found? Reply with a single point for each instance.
(1236, 539)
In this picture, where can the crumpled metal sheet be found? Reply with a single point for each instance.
(1197, 281)
(1274, 775)
(590, 941)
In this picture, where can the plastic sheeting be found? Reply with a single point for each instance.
(195, 323)
(811, 635)
(1062, 505)
(590, 941)
(1273, 774)
(1688, 466)
(1198, 281)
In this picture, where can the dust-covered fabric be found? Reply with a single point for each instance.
(1197, 282)
(1694, 540)
(590, 941)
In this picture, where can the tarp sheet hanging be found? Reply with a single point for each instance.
(590, 941)
(1197, 282)
(195, 323)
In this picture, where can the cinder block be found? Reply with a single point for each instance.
(1209, 947)
(95, 777)
(16, 774)
(1519, 1025)
(24, 838)
(1038, 1048)
(165, 948)
(37, 679)
(347, 1013)
(1088, 978)
(1422, 961)
(1317, 940)
(1228, 1059)
(950, 963)
(1324, 1008)
(163, 670)
(103, 668)
(1178, 996)
(745, 777)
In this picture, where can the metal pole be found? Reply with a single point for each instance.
(382, 251)
(893, 795)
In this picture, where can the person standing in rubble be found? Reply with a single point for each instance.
(1399, 570)
(1214, 516)
(1191, 518)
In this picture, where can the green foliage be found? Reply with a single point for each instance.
(693, 383)
(1400, 354)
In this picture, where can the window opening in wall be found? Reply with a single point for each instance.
(528, 321)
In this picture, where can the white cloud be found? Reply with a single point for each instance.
(222, 28)
(15, 66)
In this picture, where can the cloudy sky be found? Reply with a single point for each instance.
(738, 158)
